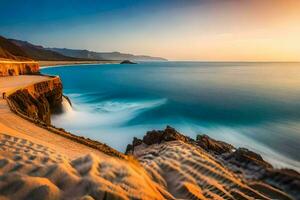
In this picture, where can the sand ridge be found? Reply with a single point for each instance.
(188, 172)
(29, 171)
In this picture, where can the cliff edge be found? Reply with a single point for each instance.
(39, 100)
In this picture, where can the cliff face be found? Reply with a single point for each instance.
(38, 101)
(14, 68)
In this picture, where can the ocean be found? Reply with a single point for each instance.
(252, 105)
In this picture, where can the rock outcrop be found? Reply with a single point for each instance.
(14, 68)
(207, 168)
(157, 137)
(247, 159)
(127, 62)
(38, 101)
(211, 145)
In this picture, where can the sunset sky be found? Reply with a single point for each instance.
(208, 30)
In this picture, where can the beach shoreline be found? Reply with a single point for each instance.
(57, 165)
(44, 64)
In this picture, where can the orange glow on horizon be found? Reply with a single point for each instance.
(231, 31)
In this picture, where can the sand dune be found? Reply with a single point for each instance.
(32, 171)
(189, 173)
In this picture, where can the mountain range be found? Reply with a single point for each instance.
(23, 50)
(9, 50)
(78, 53)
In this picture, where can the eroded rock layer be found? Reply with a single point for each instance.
(208, 169)
(13, 68)
(38, 101)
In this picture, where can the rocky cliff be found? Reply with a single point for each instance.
(14, 68)
(38, 101)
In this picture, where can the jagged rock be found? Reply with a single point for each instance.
(130, 147)
(136, 141)
(177, 161)
(169, 134)
(152, 137)
(215, 146)
(157, 137)
(246, 158)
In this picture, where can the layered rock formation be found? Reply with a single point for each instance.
(13, 68)
(38, 101)
(208, 169)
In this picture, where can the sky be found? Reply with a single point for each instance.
(204, 30)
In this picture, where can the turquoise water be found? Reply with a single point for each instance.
(253, 105)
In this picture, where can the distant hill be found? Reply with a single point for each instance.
(40, 53)
(104, 55)
(23, 50)
(9, 50)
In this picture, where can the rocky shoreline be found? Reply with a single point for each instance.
(244, 163)
(163, 165)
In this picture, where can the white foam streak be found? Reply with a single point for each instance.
(103, 114)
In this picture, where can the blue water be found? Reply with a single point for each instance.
(253, 105)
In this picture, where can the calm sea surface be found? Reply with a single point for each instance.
(252, 105)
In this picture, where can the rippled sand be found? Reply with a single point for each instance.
(172, 170)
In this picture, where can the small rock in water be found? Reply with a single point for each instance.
(127, 62)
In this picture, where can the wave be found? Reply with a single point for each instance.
(102, 114)
(112, 121)
(66, 106)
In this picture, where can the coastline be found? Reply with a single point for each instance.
(15, 123)
(61, 63)
(147, 172)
